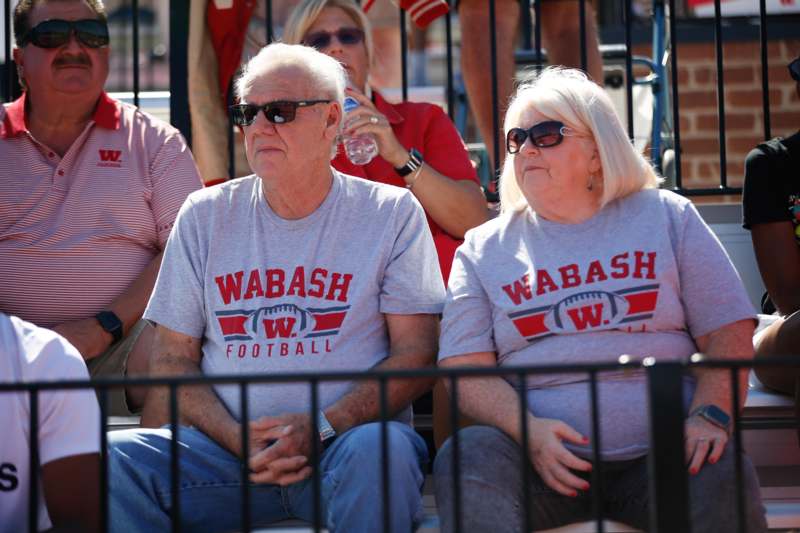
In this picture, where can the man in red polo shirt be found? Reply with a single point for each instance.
(89, 192)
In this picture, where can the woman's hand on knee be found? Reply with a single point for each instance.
(704, 442)
(552, 460)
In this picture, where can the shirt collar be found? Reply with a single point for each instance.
(386, 108)
(106, 115)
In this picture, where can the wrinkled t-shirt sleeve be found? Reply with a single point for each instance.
(711, 291)
(412, 281)
(177, 301)
(467, 319)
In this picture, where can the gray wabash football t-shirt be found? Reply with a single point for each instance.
(643, 277)
(270, 295)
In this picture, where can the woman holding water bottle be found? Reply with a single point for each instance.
(409, 144)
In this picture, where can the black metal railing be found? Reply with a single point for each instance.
(665, 30)
(667, 471)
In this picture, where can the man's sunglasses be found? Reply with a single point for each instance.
(56, 32)
(542, 135)
(321, 39)
(279, 112)
(794, 70)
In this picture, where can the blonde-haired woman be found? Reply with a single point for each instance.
(588, 261)
(418, 145)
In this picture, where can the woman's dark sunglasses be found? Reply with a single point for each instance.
(321, 39)
(276, 112)
(542, 135)
(56, 32)
(794, 70)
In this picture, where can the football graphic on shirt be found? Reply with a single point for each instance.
(282, 321)
(585, 311)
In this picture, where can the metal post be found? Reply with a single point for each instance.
(669, 498)
(762, 17)
(178, 70)
(723, 171)
(135, 13)
(244, 422)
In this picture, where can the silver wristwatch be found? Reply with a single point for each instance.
(326, 432)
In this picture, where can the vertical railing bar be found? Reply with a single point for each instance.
(676, 120)
(495, 98)
(597, 483)
(525, 20)
(231, 139)
(524, 452)
(267, 21)
(103, 397)
(174, 464)
(629, 67)
(178, 60)
(316, 452)
(135, 9)
(537, 34)
(33, 467)
(669, 488)
(385, 485)
(244, 422)
(448, 28)
(762, 15)
(737, 450)
(723, 171)
(9, 65)
(456, 453)
(582, 40)
(404, 53)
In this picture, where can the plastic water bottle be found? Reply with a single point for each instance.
(360, 149)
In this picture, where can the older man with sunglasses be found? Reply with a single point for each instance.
(90, 189)
(295, 269)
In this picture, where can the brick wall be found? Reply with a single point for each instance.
(744, 128)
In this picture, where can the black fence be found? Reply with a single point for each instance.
(664, 26)
(669, 504)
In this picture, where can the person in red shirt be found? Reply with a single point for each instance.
(445, 182)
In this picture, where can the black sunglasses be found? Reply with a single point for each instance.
(542, 135)
(321, 39)
(56, 32)
(279, 112)
(794, 69)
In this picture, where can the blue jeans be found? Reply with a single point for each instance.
(491, 490)
(210, 483)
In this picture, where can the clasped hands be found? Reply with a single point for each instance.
(280, 447)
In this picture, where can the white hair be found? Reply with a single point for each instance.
(325, 74)
(568, 96)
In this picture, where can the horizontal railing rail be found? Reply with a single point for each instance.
(669, 496)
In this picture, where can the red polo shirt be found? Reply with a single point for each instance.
(428, 129)
(75, 231)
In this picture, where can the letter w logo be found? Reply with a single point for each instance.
(110, 155)
(588, 315)
(282, 327)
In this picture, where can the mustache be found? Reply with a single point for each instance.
(67, 60)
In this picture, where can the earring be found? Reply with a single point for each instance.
(590, 185)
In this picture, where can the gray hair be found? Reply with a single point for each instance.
(325, 73)
(567, 95)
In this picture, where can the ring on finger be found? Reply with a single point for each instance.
(373, 120)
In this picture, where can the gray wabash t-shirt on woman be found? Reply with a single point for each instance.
(270, 295)
(644, 277)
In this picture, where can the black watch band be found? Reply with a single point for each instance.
(714, 415)
(414, 162)
(111, 323)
